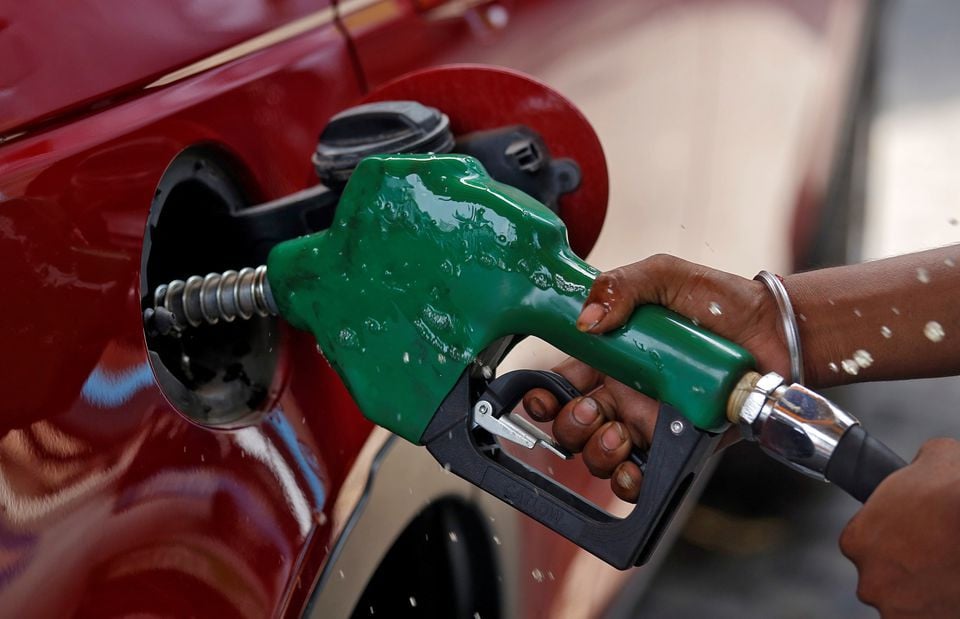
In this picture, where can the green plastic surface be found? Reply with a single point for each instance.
(429, 261)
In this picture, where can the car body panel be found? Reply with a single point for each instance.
(111, 498)
(391, 36)
(108, 492)
(63, 61)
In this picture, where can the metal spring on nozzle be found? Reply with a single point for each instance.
(209, 299)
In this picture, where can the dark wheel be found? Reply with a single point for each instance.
(442, 565)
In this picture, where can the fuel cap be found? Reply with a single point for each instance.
(379, 128)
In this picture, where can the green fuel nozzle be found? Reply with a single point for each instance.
(429, 261)
(430, 264)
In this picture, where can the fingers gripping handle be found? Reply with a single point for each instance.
(860, 462)
(506, 392)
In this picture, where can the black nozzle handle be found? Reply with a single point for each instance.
(677, 454)
(860, 462)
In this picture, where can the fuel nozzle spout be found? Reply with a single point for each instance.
(810, 434)
(209, 299)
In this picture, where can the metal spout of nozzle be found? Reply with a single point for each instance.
(792, 423)
(209, 299)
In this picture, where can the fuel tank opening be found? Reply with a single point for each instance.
(216, 374)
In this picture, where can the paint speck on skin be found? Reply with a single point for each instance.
(833, 367)
(715, 308)
(857, 313)
(950, 263)
(923, 275)
(863, 358)
(886, 332)
(850, 367)
(895, 311)
(537, 575)
(802, 317)
(934, 331)
(831, 302)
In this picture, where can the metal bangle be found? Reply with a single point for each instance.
(789, 320)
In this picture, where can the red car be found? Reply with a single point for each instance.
(229, 473)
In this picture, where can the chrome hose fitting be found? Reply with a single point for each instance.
(216, 296)
(795, 425)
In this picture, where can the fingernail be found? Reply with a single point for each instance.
(591, 316)
(537, 409)
(625, 480)
(585, 411)
(612, 437)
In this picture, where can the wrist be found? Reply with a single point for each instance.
(764, 336)
(822, 356)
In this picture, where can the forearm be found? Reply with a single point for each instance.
(903, 312)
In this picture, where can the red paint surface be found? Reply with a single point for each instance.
(59, 58)
(112, 502)
(393, 36)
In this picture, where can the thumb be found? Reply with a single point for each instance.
(615, 294)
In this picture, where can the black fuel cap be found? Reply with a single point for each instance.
(376, 129)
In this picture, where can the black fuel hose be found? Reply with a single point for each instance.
(860, 462)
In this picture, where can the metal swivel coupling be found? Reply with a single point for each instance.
(216, 296)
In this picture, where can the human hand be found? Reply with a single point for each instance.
(905, 541)
(610, 418)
